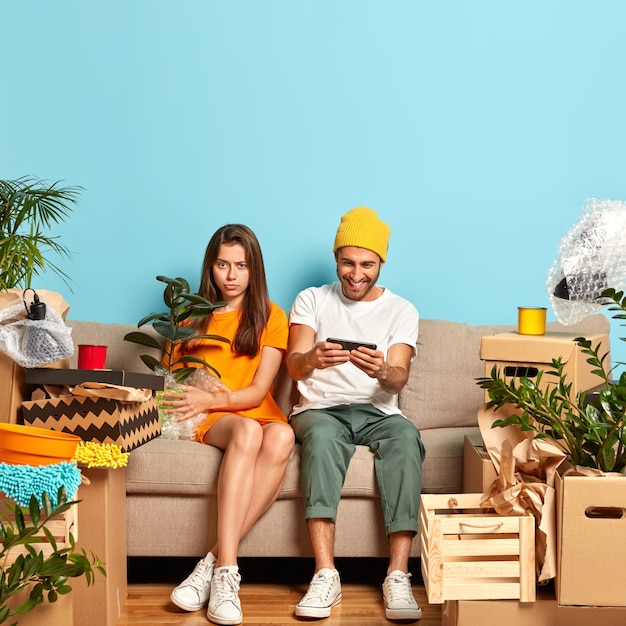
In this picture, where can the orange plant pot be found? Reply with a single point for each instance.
(29, 445)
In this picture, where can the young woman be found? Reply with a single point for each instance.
(246, 422)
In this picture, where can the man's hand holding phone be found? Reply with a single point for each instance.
(371, 364)
(338, 351)
(350, 344)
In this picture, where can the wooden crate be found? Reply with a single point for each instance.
(472, 553)
(60, 526)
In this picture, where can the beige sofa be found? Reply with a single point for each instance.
(171, 484)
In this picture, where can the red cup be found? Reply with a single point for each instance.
(92, 357)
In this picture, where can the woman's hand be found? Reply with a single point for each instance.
(187, 402)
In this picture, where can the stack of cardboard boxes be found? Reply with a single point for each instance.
(100, 418)
(102, 499)
(102, 507)
(591, 512)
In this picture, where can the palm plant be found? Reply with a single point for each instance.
(591, 431)
(29, 207)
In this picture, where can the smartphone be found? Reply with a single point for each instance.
(351, 345)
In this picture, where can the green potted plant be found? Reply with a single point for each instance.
(182, 305)
(591, 431)
(43, 576)
(28, 208)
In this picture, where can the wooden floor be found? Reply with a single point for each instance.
(269, 592)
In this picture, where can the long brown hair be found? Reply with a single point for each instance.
(255, 310)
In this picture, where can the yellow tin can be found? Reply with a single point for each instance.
(531, 320)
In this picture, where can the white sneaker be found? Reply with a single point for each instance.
(224, 605)
(193, 593)
(323, 594)
(398, 597)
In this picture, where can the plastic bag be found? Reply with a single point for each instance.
(34, 342)
(170, 428)
(591, 258)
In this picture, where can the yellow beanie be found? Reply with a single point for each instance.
(361, 227)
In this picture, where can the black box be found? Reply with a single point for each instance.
(50, 376)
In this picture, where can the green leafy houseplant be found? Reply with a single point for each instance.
(45, 577)
(182, 305)
(28, 208)
(590, 431)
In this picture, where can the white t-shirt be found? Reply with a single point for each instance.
(388, 320)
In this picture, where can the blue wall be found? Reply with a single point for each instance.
(476, 129)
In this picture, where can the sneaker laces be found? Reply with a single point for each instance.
(399, 588)
(226, 587)
(198, 578)
(320, 587)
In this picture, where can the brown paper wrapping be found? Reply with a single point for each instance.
(526, 469)
(99, 390)
(51, 298)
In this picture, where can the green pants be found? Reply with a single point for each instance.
(329, 436)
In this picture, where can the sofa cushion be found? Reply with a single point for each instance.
(442, 389)
(175, 467)
(447, 362)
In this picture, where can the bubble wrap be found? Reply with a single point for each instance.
(33, 343)
(592, 257)
(202, 379)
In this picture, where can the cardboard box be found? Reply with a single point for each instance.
(544, 612)
(59, 613)
(127, 424)
(591, 540)
(469, 552)
(518, 355)
(102, 510)
(45, 376)
(13, 389)
(479, 472)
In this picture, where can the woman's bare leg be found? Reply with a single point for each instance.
(250, 478)
(269, 471)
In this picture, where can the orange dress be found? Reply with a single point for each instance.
(238, 371)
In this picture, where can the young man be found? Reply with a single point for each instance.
(350, 397)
